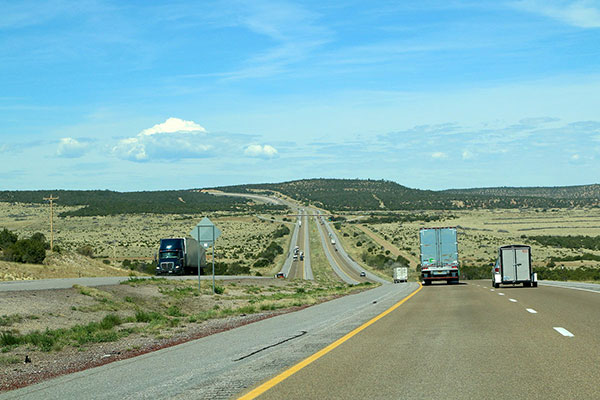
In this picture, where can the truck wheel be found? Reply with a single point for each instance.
(526, 284)
(534, 284)
(427, 283)
(496, 285)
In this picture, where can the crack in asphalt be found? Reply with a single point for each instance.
(302, 333)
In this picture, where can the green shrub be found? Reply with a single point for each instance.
(281, 231)
(110, 321)
(147, 316)
(86, 250)
(7, 238)
(219, 289)
(174, 311)
(261, 263)
(26, 251)
(8, 339)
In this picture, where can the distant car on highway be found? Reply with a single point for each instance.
(363, 273)
(280, 275)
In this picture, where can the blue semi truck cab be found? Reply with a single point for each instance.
(179, 256)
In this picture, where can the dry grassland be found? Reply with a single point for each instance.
(70, 265)
(481, 232)
(136, 236)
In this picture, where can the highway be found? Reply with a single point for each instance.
(301, 269)
(297, 266)
(465, 341)
(347, 269)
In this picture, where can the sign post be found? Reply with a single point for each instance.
(206, 233)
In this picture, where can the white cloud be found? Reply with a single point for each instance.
(575, 157)
(174, 139)
(439, 155)
(71, 148)
(467, 155)
(256, 150)
(582, 13)
(172, 125)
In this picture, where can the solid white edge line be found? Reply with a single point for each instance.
(531, 310)
(500, 294)
(567, 287)
(513, 300)
(563, 331)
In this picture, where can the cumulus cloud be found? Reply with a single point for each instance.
(439, 155)
(467, 155)
(582, 13)
(71, 148)
(173, 139)
(256, 150)
(172, 125)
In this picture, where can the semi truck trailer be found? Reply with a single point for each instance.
(179, 256)
(400, 274)
(513, 266)
(439, 255)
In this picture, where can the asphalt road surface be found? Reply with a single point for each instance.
(465, 341)
(297, 267)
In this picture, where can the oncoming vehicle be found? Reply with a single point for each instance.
(363, 273)
(280, 275)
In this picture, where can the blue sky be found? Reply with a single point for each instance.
(144, 95)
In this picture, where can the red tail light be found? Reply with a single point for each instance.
(496, 269)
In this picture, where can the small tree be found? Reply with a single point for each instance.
(26, 251)
(7, 238)
(86, 250)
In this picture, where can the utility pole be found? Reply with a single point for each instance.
(51, 199)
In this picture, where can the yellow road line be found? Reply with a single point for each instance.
(292, 370)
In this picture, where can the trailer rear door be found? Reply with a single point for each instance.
(508, 265)
(522, 264)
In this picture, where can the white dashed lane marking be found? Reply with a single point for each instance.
(563, 331)
(531, 310)
(500, 294)
(513, 300)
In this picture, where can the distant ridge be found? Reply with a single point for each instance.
(360, 194)
(556, 192)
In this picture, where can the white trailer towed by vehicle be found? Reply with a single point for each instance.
(513, 267)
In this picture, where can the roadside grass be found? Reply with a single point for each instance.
(94, 332)
(8, 320)
(172, 304)
(8, 360)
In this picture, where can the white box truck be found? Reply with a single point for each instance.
(513, 267)
(400, 274)
(439, 255)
